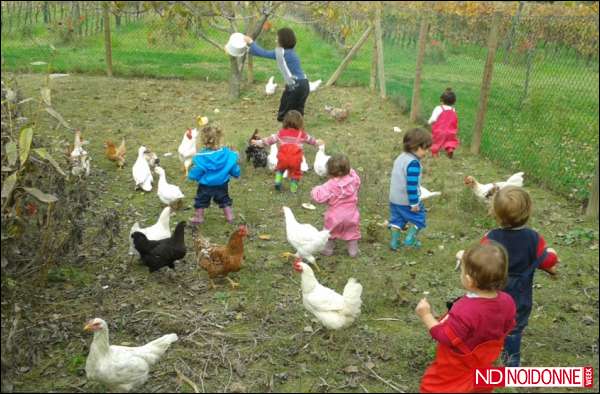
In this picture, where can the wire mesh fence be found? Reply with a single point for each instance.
(542, 114)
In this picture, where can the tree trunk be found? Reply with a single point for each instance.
(486, 84)
(235, 79)
(380, 60)
(415, 106)
(592, 208)
(107, 40)
(349, 57)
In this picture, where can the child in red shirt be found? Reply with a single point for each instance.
(289, 157)
(471, 334)
(444, 125)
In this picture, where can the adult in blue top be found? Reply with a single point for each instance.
(212, 168)
(296, 84)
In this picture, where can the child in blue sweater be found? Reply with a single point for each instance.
(406, 207)
(212, 168)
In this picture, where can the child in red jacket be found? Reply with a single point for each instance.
(444, 125)
(289, 156)
(471, 334)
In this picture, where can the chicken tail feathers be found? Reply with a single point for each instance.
(153, 351)
(352, 297)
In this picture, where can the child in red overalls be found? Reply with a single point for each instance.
(471, 334)
(289, 157)
(444, 125)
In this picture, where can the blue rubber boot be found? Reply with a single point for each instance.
(411, 238)
(395, 242)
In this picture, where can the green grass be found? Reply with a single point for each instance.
(255, 336)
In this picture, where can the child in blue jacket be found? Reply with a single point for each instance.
(211, 168)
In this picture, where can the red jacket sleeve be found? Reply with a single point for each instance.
(551, 258)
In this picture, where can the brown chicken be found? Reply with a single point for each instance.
(220, 260)
(116, 154)
(339, 114)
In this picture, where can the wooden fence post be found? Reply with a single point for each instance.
(415, 106)
(349, 57)
(592, 208)
(373, 79)
(380, 60)
(250, 71)
(107, 42)
(486, 84)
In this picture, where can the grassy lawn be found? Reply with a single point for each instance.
(256, 338)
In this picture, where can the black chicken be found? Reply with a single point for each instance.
(158, 254)
(257, 154)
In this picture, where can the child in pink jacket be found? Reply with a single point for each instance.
(340, 192)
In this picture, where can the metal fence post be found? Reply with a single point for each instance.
(486, 83)
(592, 208)
(107, 41)
(415, 106)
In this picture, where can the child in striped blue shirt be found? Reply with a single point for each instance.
(406, 210)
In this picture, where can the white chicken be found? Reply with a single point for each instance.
(321, 160)
(187, 149)
(333, 310)
(305, 238)
(121, 368)
(314, 85)
(270, 87)
(80, 160)
(425, 194)
(272, 161)
(486, 191)
(142, 175)
(167, 193)
(159, 230)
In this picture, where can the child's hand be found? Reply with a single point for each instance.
(255, 143)
(248, 40)
(552, 272)
(423, 308)
(415, 208)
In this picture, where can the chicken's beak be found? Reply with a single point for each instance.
(88, 327)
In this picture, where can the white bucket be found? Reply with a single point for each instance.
(236, 46)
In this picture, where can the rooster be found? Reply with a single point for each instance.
(333, 310)
(187, 149)
(339, 114)
(220, 260)
(163, 253)
(116, 154)
(305, 238)
(486, 191)
(257, 154)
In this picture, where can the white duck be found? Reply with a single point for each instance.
(270, 87)
(321, 160)
(305, 238)
(141, 171)
(121, 368)
(486, 191)
(314, 85)
(187, 149)
(167, 193)
(272, 161)
(425, 194)
(333, 310)
(159, 230)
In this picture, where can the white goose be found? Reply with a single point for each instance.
(167, 193)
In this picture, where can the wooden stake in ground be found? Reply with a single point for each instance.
(486, 84)
(379, 39)
(107, 41)
(415, 106)
(349, 57)
(592, 208)
(373, 80)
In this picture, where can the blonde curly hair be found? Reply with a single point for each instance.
(211, 136)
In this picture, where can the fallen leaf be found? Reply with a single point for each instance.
(351, 369)
(264, 237)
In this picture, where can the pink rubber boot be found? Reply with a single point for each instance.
(328, 251)
(353, 248)
(198, 217)
(228, 214)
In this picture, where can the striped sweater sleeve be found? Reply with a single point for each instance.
(413, 172)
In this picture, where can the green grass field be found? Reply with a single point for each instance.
(551, 134)
(257, 337)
